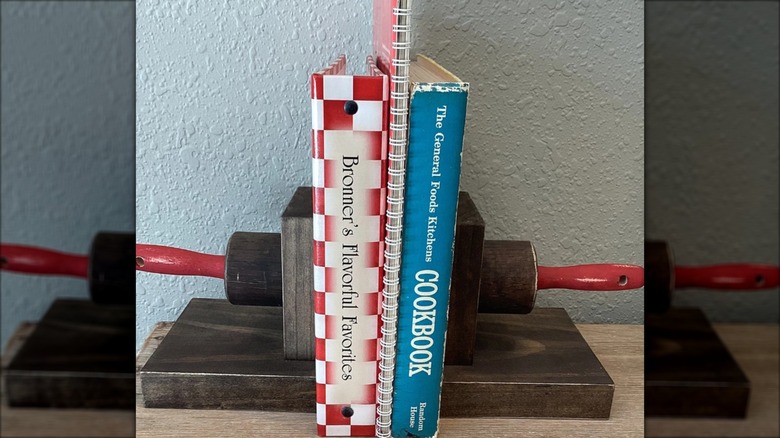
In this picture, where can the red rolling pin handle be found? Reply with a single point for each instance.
(40, 261)
(727, 277)
(175, 261)
(596, 277)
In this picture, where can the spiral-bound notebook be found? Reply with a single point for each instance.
(392, 44)
(349, 151)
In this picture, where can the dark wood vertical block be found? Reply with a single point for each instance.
(298, 276)
(112, 269)
(659, 276)
(253, 269)
(464, 286)
(508, 277)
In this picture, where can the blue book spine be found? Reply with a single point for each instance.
(437, 118)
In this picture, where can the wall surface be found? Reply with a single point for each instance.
(712, 142)
(553, 150)
(67, 137)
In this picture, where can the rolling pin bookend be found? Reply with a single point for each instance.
(689, 371)
(265, 354)
(488, 276)
(80, 354)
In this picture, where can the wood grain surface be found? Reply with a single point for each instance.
(464, 286)
(509, 272)
(80, 355)
(755, 348)
(689, 372)
(298, 275)
(65, 423)
(253, 269)
(618, 347)
(219, 356)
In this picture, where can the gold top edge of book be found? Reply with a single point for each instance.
(425, 70)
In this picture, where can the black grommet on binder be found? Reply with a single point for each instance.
(350, 107)
(347, 411)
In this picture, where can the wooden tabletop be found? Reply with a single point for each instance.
(618, 347)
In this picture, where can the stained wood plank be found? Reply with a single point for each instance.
(80, 355)
(465, 283)
(112, 269)
(219, 356)
(30, 422)
(755, 348)
(690, 372)
(298, 276)
(618, 347)
(659, 276)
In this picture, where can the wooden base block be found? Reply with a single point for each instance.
(219, 356)
(79, 355)
(688, 370)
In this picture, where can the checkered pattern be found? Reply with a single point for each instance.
(344, 351)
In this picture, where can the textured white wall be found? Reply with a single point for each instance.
(553, 152)
(67, 137)
(712, 142)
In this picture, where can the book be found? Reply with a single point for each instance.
(349, 153)
(391, 46)
(437, 117)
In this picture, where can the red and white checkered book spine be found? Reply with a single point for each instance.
(349, 154)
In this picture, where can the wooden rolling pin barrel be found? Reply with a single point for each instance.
(108, 267)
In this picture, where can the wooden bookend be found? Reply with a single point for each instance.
(220, 356)
(298, 276)
(464, 288)
(79, 355)
(689, 372)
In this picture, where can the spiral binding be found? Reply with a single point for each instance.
(399, 118)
